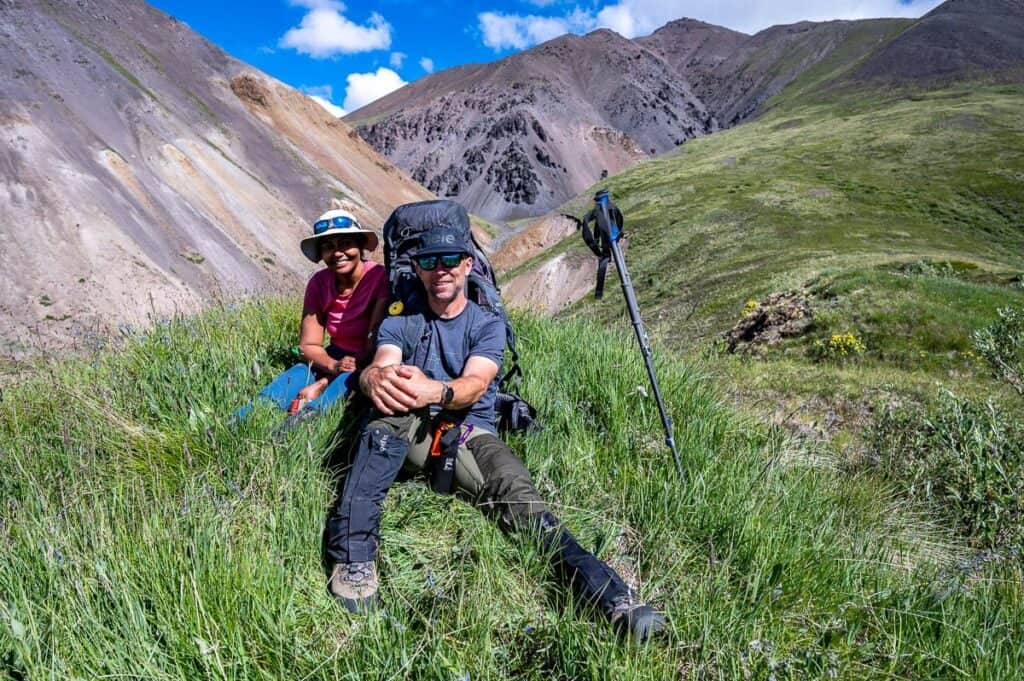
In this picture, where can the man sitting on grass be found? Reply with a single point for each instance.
(448, 377)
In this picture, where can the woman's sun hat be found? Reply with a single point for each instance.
(336, 222)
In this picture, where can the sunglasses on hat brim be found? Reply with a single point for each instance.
(339, 222)
(447, 260)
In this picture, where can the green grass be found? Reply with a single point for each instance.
(838, 195)
(142, 536)
(910, 321)
(813, 84)
(774, 203)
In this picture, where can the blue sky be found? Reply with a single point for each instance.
(346, 54)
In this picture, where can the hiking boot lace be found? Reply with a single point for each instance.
(357, 574)
(625, 603)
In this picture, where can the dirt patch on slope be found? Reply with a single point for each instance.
(554, 286)
(532, 241)
(360, 174)
(120, 169)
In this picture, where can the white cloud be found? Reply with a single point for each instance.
(329, 106)
(397, 59)
(504, 31)
(323, 95)
(427, 64)
(325, 91)
(364, 88)
(632, 18)
(324, 31)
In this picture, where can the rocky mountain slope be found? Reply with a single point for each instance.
(144, 171)
(958, 39)
(763, 65)
(516, 137)
(519, 136)
(922, 94)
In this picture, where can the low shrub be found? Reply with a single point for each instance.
(839, 346)
(964, 458)
(1001, 345)
(928, 268)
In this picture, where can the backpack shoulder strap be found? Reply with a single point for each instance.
(413, 328)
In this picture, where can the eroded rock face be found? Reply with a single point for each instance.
(512, 176)
(553, 286)
(781, 315)
(518, 137)
(249, 88)
(169, 173)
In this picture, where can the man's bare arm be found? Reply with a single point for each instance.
(477, 374)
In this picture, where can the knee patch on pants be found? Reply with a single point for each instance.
(508, 490)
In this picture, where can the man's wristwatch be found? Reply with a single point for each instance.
(447, 394)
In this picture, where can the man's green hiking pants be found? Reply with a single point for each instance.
(487, 474)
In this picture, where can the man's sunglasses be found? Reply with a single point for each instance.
(448, 261)
(342, 221)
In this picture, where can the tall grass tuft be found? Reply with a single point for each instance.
(963, 457)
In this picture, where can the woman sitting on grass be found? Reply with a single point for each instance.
(347, 300)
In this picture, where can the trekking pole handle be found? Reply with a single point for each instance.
(605, 223)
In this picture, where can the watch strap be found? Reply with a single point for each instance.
(447, 393)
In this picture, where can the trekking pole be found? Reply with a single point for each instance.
(604, 241)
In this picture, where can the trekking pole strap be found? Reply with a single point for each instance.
(598, 244)
(512, 378)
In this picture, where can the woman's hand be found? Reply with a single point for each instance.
(346, 364)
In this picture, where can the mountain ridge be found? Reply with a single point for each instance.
(164, 172)
(959, 39)
(525, 130)
(707, 78)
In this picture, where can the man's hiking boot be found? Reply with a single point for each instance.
(594, 581)
(637, 620)
(355, 585)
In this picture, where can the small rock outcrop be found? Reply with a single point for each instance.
(781, 315)
(248, 87)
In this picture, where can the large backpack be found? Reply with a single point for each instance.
(402, 233)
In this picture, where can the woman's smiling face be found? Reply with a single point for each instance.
(341, 254)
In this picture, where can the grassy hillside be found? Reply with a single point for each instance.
(898, 218)
(143, 537)
(777, 202)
